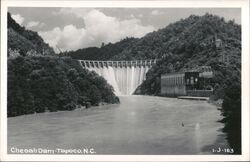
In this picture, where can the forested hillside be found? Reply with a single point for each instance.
(191, 43)
(186, 37)
(26, 42)
(106, 52)
(39, 80)
(44, 83)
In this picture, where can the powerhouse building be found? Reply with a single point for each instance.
(192, 83)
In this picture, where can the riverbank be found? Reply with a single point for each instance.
(217, 103)
(78, 109)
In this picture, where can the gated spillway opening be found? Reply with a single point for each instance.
(124, 76)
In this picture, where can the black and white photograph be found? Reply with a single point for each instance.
(124, 81)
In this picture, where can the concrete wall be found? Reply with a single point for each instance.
(177, 90)
(200, 93)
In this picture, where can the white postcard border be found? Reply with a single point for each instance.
(243, 4)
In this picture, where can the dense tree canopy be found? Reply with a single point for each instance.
(49, 83)
(106, 52)
(26, 40)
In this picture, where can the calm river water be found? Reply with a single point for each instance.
(139, 125)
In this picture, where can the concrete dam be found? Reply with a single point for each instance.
(124, 76)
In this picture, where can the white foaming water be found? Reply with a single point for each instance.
(124, 80)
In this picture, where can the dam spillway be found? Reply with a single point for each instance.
(124, 76)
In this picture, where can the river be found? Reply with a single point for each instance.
(138, 125)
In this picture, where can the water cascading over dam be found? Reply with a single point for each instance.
(124, 76)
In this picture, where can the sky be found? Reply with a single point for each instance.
(74, 28)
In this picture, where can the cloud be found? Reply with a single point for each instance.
(132, 16)
(18, 18)
(41, 25)
(98, 28)
(32, 24)
(78, 12)
(156, 12)
(140, 15)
